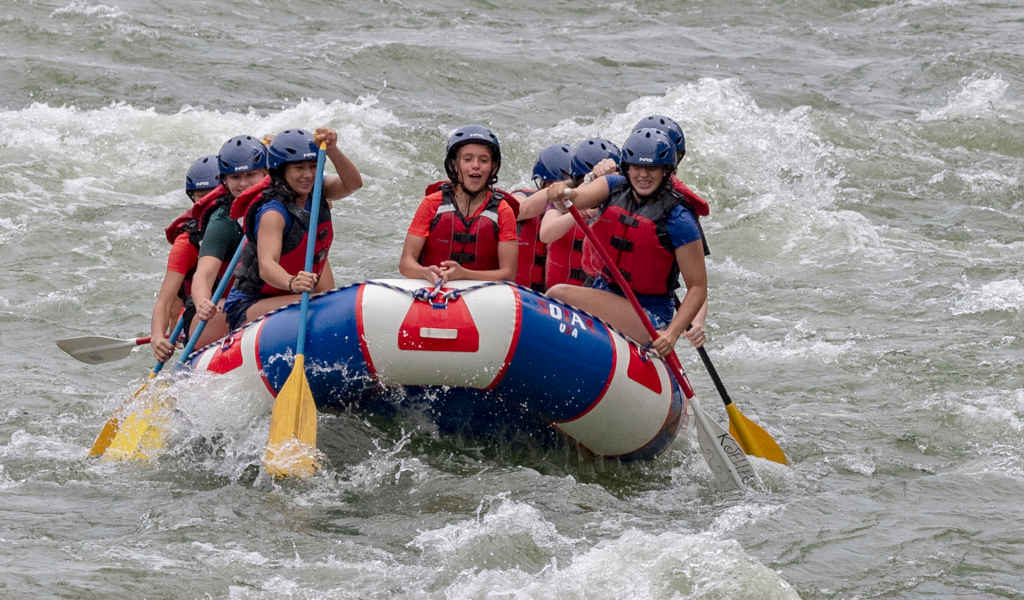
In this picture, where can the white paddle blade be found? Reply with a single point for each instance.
(95, 349)
(729, 464)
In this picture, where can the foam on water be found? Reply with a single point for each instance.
(1003, 295)
(86, 9)
(980, 96)
(638, 565)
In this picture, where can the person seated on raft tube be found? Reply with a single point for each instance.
(464, 228)
(276, 215)
(695, 334)
(592, 158)
(554, 163)
(652, 236)
(242, 162)
(184, 235)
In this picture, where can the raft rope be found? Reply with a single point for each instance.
(439, 299)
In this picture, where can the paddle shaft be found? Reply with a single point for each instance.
(714, 376)
(291, 442)
(314, 217)
(671, 359)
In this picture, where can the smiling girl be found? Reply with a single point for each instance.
(464, 228)
(276, 221)
(651, 234)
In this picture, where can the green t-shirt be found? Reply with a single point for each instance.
(222, 236)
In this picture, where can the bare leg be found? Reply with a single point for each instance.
(216, 328)
(268, 304)
(607, 306)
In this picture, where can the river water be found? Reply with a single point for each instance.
(864, 163)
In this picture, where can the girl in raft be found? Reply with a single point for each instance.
(652, 236)
(464, 228)
(276, 221)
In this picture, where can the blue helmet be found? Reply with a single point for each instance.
(669, 127)
(592, 151)
(472, 134)
(203, 175)
(649, 147)
(554, 163)
(240, 154)
(291, 145)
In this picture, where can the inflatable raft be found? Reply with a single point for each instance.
(481, 358)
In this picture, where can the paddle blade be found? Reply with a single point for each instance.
(752, 438)
(139, 435)
(112, 425)
(105, 437)
(94, 349)
(291, 447)
(729, 465)
(143, 433)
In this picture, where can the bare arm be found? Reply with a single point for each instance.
(162, 347)
(533, 205)
(268, 250)
(555, 224)
(587, 195)
(202, 286)
(349, 179)
(409, 264)
(690, 258)
(696, 333)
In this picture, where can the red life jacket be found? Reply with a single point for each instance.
(293, 242)
(698, 205)
(565, 259)
(195, 219)
(193, 222)
(240, 207)
(473, 243)
(532, 252)
(637, 239)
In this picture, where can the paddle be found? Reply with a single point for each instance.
(142, 431)
(113, 424)
(725, 457)
(96, 349)
(291, 445)
(751, 437)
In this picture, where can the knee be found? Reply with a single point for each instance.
(560, 292)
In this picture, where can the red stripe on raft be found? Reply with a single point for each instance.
(259, 363)
(641, 369)
(607, 383)
(228, 355)
(361, 332)
(515, 340)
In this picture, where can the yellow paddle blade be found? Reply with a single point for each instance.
(752, 438)
(142, 433)
(291, 447)
(112, 425)
(104, 438)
